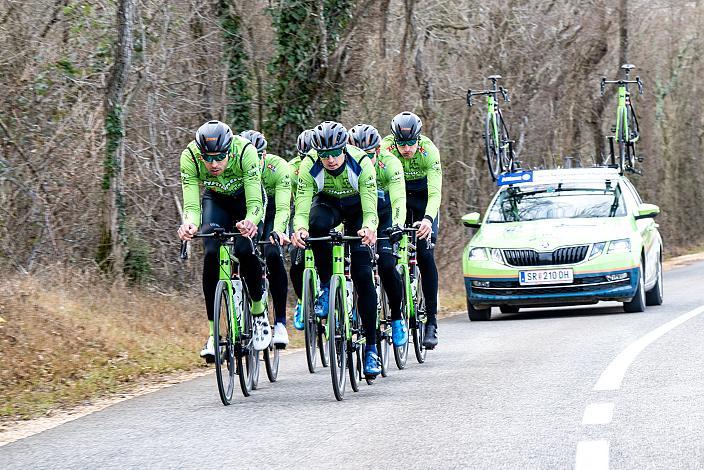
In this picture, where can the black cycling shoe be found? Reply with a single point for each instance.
(431, 337)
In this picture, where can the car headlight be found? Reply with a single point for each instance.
(597, 249)
(496, 256)
(478, 254)
(620, 246)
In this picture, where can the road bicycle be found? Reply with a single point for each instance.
(497, 144)
(343, 328)
(626, 132)
(232, 320)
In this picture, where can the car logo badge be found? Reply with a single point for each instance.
(545, 245)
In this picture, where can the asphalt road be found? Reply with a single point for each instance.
(519, 391)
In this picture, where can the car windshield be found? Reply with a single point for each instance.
(557, 201)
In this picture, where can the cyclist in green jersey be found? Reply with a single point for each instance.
(276, 181)
(340, 186)
(304, 144)
(391, 207)
(228, 168)
(423, 174)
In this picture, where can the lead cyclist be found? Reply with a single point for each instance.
(423, 174)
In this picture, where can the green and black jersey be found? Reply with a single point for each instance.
(241, 176)
(391, 186)
(421, 171)
(356, 180)
(276, 180)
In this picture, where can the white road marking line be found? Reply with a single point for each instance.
(612, 377)
(598, 413)
(592, 455)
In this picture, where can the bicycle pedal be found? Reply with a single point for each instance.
(370, 379)
(209, 359)
(280, 346)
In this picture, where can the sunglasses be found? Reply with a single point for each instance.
(330, 153)
(406, 143)
(218, 157)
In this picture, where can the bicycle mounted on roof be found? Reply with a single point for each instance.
(497, 144)
(626, 132)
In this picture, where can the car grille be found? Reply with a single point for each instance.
(581, 284)
(565, 255)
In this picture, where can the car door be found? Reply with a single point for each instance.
(648, 230)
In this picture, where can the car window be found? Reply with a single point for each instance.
(631, 196)
(557, 201)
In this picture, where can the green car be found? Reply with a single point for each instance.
(563, 237)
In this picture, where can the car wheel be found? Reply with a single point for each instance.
(509, 309)
(654, 295)
(637, 304)
(478, 314)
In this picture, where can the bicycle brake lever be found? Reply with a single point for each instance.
(469, 98)
(640, 86)
(603, 85)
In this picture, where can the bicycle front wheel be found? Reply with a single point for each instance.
(310, 322)
(224, 348)
(491, 146)
(401, 352)
(337, 338)
(271, 362)
(506, 152)
(383, 336)
(419, 330)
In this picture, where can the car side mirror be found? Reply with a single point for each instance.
(472, 220)
(647, 210)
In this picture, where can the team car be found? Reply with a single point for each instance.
(563, 237)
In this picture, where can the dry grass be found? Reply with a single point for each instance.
(64, 341)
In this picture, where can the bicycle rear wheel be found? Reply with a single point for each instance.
(225, 348)
(310, 322)
(322, 344)
(633, 136)
(622, 138)
(419, 330)
(247, 356)
(492, 147)
(271, 363)
(383, 337)
(505, 151)
(401, 352)
(337, 340)
(354, 361)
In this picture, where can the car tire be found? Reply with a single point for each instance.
(654, 295)
(478, 314)
(637, 304)
(509, 309)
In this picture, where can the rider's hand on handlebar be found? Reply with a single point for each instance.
(299, 238)
(395, 234)
(186, 231)
(425, 228)
(247, 228)
(368, 235)
(283, 238)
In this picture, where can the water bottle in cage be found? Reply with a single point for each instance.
(238, 295)
(350, 298)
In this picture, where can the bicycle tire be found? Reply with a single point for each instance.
(271, 363)
(419, 330)
(506, 157)
(322, 344)
(255, 372)
(337, 339)
(383, 338)
(491, 148)
(401, 352)
(633, 137)
(353, 351)
(622, 140)
(310, 323)
(225, 348)
(247, 358)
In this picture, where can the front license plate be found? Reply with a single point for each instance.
(546, 276)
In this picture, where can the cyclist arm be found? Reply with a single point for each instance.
(397, 191)
(303, 198)
(283, 198)
(368, 195)
(434, 172)
(252, 185)
(191, 189)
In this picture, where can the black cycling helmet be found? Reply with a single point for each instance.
(365, 137)
(257, 139)
(329, 135)
(214, 136)
(406, 126)
(305, 141)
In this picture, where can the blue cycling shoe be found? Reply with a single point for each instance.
(372, 363)
(321, 303)
(298, 317)
(399, 332)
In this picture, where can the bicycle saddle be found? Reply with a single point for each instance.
(628, 66)
(494, 77)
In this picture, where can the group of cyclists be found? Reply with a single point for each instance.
(372, 186)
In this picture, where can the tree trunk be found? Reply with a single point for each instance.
(112, 253)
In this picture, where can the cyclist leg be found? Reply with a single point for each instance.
(278, 280)
(325, 214)
(390, 278)
(216, 212)
(362, 277)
